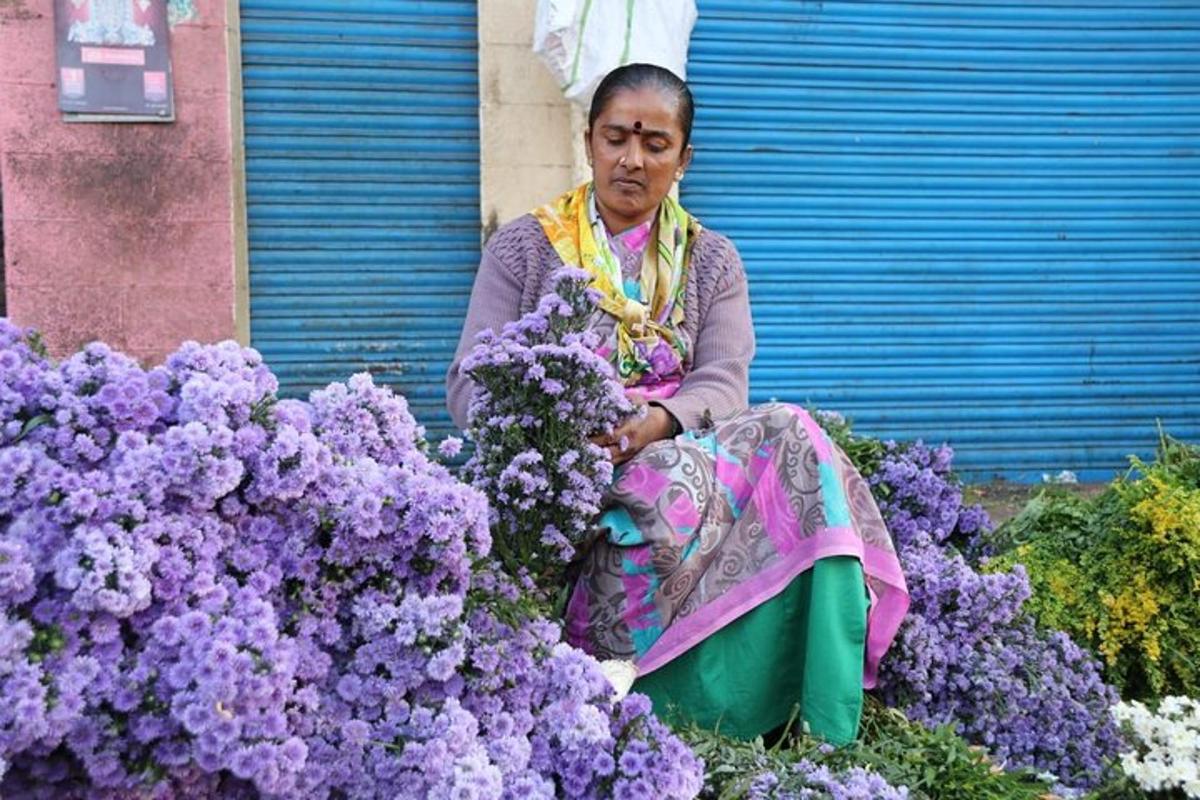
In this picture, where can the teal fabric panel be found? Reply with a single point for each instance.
(802, 647)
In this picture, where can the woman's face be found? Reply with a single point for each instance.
(636, 151)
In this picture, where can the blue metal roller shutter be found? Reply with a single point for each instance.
(967, 221)
(362, 170)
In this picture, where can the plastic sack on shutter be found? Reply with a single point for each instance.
(581, 41)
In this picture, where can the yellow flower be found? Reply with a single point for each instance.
(1171, 511)
(1130, 614)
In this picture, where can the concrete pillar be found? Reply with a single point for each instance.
(527, 144)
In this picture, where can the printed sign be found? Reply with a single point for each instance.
(114, 60)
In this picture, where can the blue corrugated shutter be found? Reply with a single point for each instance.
(362, 169)
(967, 221)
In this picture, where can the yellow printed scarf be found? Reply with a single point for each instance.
(641, 329)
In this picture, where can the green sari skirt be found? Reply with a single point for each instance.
(798, 654)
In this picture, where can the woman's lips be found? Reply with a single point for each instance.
(628, 183)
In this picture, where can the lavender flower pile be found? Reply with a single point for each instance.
(209, 592)
(544, 704)
(810, 781)
(541, 392)
(968, 654)
(917, 494)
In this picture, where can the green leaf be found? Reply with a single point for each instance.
(31, 425)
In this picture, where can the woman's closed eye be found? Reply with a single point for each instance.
(653, 145)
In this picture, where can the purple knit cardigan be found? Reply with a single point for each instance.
(515, 271)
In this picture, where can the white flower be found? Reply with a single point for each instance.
(620, 675)
(1167, 742)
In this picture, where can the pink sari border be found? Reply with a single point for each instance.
(883, 621)
(883, 617)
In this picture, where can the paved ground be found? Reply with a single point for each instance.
(1004, 499)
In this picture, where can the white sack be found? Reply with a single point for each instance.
(581, 41)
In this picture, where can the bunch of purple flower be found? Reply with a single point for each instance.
(547, 711)
(968, 654)
(807, 780)
(541, 393)
(209, 592)
(918, 494)
(143, 655)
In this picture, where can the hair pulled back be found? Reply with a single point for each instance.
(642, 76)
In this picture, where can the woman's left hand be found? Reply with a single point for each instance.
(649, 425)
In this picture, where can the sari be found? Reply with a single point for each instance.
(744, 568)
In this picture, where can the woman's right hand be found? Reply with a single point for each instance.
(649, 424)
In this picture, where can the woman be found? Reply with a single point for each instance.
(745, 568)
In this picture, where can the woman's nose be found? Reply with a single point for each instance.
(633, 154)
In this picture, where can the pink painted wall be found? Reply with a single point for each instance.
(118, 232)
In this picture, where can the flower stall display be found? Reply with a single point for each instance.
(969, 654)
(1120, 570)
(206, 591)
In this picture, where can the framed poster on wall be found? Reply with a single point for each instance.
(114, 60)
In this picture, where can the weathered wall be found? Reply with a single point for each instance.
(130, 232)
(527, 140)
(120, 232)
